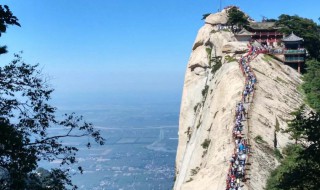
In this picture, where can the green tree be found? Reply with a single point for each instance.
(311, 85)
(303, 27)
(301, 167)
(271, 20)
(6, 19)
(237, 18)
(296, 126)
(204, 16)
(25, 118)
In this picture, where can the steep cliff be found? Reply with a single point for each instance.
(213, 85)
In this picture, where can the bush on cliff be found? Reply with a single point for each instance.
(300, 169)
(311, 85)
(237, 18)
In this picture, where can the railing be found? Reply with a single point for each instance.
(300, 51)
(267, 34)
(268, 40)
(273, 40)
(276, 51)
(294, 59)
(287, 52)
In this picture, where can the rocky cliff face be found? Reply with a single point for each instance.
(213, 85)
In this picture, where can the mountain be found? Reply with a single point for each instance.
(212, 88)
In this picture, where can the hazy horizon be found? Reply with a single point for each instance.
(119, 51)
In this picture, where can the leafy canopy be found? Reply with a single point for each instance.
(6, 19)
(25, 117)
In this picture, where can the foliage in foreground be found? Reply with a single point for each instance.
(6, 18)
(300, 169)
(25, 118)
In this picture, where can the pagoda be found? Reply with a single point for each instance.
(244, 35)
(294, 53)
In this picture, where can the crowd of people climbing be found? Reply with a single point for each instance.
(239, 158)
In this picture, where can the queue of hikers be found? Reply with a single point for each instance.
(238, 160)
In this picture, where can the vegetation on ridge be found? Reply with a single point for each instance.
(237, 18)
(204, 16)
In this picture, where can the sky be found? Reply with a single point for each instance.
(120, 51)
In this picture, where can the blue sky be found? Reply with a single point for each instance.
(117, 51)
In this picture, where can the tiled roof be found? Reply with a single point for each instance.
(262, 25)
(292, 38)
(244, 32)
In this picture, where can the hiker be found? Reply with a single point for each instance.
(240, 128)
(244, 113)
(238, 182)
(245, 93)
(248, 97)
(248, 87)
(238, 122)
(239, 117)
(243, 158)
(254, 80)
(251, 88)
(247, 69)
(241, 147)
(238, 134)
(232, 160)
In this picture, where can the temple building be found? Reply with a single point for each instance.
(294, 53)
(244, 35)
(288, 49)
(265, 33)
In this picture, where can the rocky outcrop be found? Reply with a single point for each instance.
(213, 85)
(235, 47)
(218, 18)
(203, 36)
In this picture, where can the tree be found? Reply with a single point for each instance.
(301, 167)
(303, 27)
(296, 126)
(237, 18)
(25, 117)
(270, 20)
(204, 16)
(306, 127)
(6, 18)
(311, 85)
